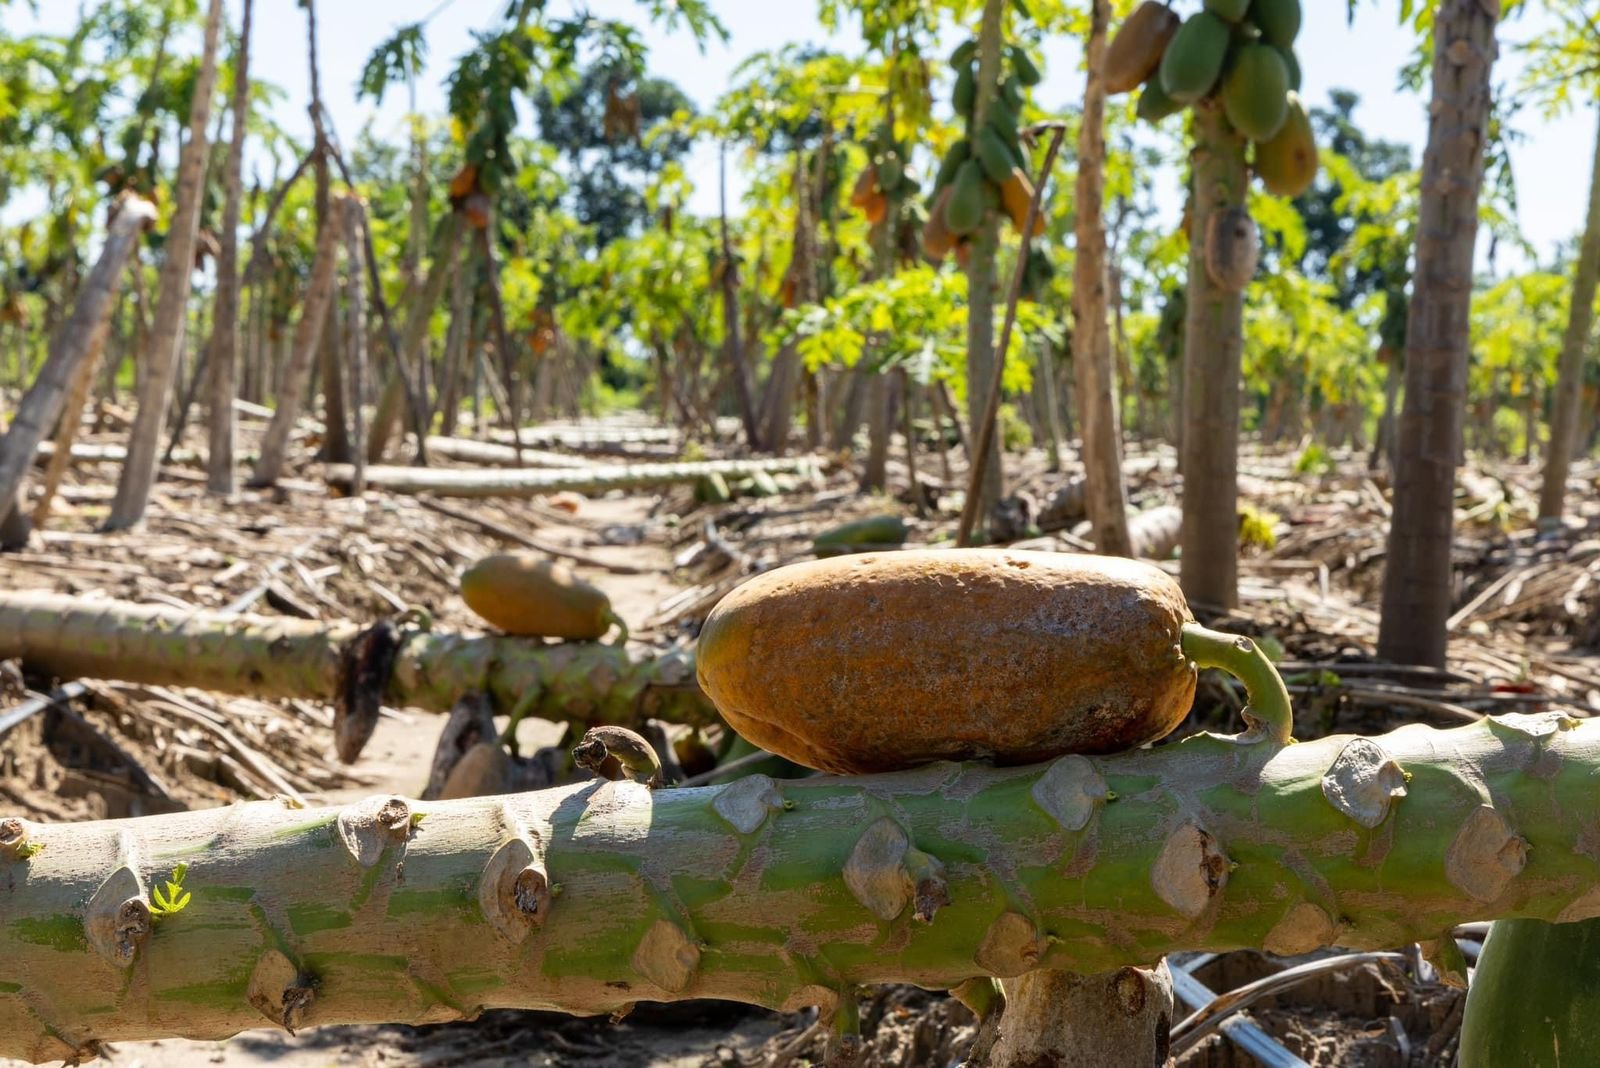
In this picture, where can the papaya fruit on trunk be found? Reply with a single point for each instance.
(1278, 20)
(1255, 92)
(1135, 52)
(1193, 61)
(1287, 163)
(889, 660)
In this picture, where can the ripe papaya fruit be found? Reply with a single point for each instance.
(866, 185)
(1292, 63)
(1155, 104)
(1278, 20)
(1135, 52)
(879, 661)
(959, 153)
(937, 240)
(1287, 163)
(964, 211)
(1232, 10)
(527, 594)
(1255, 92)
(1193, 61)
(876, 531)
(993, 155)
(1023, 67)
(876, 208)
(965, 92)
(1016, 194)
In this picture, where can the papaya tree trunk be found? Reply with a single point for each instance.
(592, 897)
(307, 338)
(1213, 346)
(160, 358)
(1417, 591)
(581, 682)
(1091, 334)
(732, 346)
(355, 347)
(223, 376)
(532, 482)
(72, 350)
(982, 287)
(1574, 345)
(391, 404)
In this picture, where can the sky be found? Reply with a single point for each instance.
(1551, 163)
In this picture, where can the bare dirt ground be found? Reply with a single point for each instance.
(1528, 624)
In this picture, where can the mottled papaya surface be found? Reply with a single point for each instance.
(889, 660)
(526, 594)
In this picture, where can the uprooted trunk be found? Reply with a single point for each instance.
(355, 667)
(592, 897)
(534, 483)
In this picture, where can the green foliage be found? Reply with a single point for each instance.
(1313, 460)
(1015, 433)
(172, 898)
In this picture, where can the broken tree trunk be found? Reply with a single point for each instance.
(488, 454)
(589, 898)
(579, 682)
(73, 350)
(307, 338)
(534, 483)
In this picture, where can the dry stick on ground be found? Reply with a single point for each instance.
(592, 897)
(528, 482)
(991, 411)
(73, 350)
(516, 537)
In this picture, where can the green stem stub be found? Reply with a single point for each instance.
(1268, 708)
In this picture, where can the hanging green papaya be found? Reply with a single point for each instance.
(963, 213)
(1193, 60)
(1135, 52)
(965, 53)
(890, 171)
(1292, 62)
(965, 92)
(1023, 67)
(1232, 10)
(993, 154)
(1011, 93)
(1155, 104)
(1278, 20)
(959, 153)
(1255, 91)
(1287, 163)
(1003, 119)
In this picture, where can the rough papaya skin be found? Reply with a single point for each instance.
(884, 661)
(526, 594)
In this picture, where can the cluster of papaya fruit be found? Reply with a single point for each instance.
(888, 175)
(985, 170)
(1239, 53)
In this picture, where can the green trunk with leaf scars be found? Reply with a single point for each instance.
(591, 897)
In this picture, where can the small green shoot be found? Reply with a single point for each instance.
(174, 898)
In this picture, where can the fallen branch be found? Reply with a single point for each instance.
(592, 897)
(534, 483)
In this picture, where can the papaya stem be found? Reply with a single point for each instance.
(611, 619)
(1268, 705)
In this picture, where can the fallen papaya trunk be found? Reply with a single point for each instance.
(356, 667)
(588, 898)
(489, 454)
(455, 482)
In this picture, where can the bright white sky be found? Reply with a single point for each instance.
(1551, 164)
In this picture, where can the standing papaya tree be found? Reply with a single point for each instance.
(1232, 64)
(172, 307)
(225, 319)
(1417, 585)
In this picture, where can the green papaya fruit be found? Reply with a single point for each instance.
(1014, 150)
(993, 155)
(1193, 60)
(861, 534)
(1026, 71)
(1292, 62)
(1287, 163)
(1011, 93)
(1232, 10)
(965, 53)
(890, 171)
(1255, 92)
(1534, 996)
(1278, 20)
(965, 92)
(1155, 104)
(959, 153)
(963, 213)
(1003, 118)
